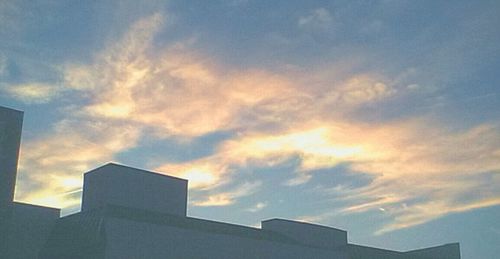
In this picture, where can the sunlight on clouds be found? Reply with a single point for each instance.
(318, 218)
(221, 199)
(375, 204)
(257, 207)
(53, 201)
(121, 110)
(315, 146)
(32, 92)
(357, 90)
(199, 177)
(71, 182)
(229, 197)
(421, 214)
(420, 172)
(176, 90)
(201, 174)
(434, 151)
(58, 192)
(191, 72)
(54, 164)
(78, 77)
(429, 173)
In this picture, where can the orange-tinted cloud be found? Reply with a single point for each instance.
(52, 165)
(228, 197)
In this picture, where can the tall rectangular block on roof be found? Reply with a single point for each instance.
(11, 122)
(134, 188)
(308, 234)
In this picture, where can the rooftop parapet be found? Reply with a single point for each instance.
(308, 234)
(447, 251)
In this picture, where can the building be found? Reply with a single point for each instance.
(133, 213)
(26, 226)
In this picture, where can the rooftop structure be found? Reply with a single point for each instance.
(10, 138)
(133, 213)
(120, 185)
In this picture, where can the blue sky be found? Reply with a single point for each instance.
(378, 117)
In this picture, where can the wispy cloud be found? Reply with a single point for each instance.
(358, 90)
(229, 197)
(52, 165)
(257, 207)
(176, 90)
(420, 173)
(317, 19)
(32, 92)
(3, 65)
(207, 173)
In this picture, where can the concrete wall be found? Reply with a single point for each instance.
(130, 239)
(448, 251)
(365, 252)
(29, 229)
(10, 137)
(134, 188)
(311, 234)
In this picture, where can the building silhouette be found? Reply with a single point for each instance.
(133, 213)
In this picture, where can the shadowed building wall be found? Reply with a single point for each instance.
(114, 184)
(133, 213)
(448, 251)
(130, 213)
(306, 233)
(10, 137)
(29, 228)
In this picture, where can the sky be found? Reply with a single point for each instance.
(378, 117)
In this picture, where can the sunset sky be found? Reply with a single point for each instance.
(378, 117)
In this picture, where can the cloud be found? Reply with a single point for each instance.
(202, 174)
(415, 215)
(424, 173)
(229, 197)
(32, 92)
(298, 180)
(419, 173)
(176, 90)
(360, 89)
(314, 145)
(257, 207)
(52, 165)
(318, 218)
(3, 65)
(316, 19)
